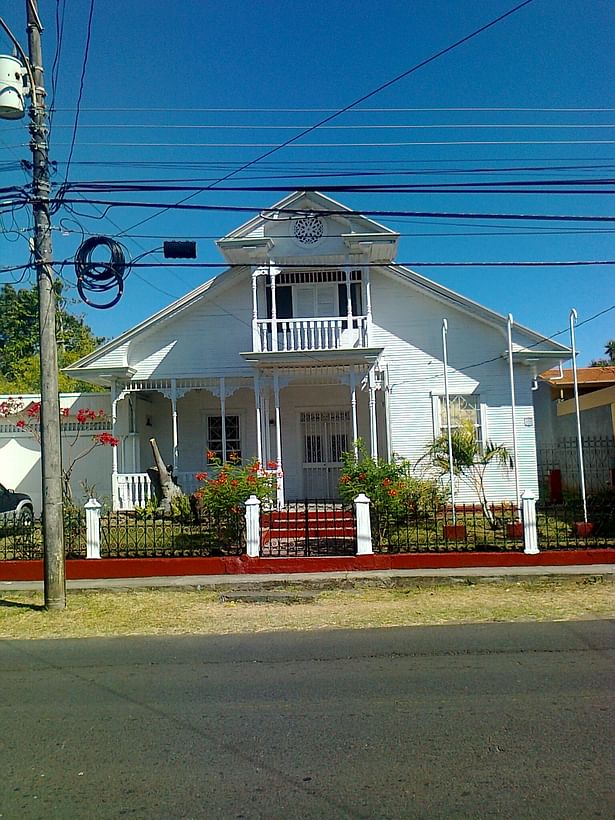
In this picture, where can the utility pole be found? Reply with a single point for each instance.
(51, 454)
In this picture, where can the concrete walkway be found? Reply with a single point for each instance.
(331, 579)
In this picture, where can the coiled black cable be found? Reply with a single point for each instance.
(94, 277)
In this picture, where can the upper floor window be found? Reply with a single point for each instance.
(315, 294)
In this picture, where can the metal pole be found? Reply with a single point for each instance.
(573, 318)
(51, 456)
(448, 416)
(513, 407)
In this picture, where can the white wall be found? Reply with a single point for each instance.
(20, 465)
(408, 324)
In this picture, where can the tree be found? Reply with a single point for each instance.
(470, 461)
(609, 349)
(19, 345)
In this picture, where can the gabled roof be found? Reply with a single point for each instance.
(303, 202)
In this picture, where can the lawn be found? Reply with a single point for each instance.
(205, 611)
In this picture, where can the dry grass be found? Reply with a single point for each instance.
(183, 611)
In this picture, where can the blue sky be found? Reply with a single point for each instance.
(271, 69)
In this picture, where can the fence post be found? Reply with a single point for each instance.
(92, 528)
(364, 527)
(530, 530)
(253, 526)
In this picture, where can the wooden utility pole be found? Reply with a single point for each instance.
(51, 455)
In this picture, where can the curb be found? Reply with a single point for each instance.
(125, 568)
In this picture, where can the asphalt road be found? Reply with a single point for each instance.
(498, 720)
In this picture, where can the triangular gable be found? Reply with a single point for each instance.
(306, 202)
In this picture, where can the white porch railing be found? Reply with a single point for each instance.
(296, 335)
(132, 490)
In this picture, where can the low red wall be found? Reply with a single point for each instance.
(78, 569)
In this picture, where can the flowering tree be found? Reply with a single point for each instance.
(79, 442)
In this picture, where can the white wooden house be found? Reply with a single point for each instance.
(312, 338)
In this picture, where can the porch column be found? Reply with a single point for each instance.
(114, 401)
(373, 431)
(259, 419)
(353, 405)
(274, 310)
(115, 491)
(174, 419)
(348, 302)
(223, 416)
(278, 438)
(256, 345)
(368, 303)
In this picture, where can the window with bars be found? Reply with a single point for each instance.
(231, 433)
(311, 294)
(463, 408)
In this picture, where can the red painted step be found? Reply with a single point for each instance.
(291, 525)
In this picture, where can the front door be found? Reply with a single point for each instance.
(325, 435)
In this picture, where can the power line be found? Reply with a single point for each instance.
(297, 213)
(81, 85)
(304, 145)
(385, 126)
(356, 110)
(357, 102)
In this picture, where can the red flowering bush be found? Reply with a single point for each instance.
(230, 483)
(77, 440)
(225, 488)
(395, 493)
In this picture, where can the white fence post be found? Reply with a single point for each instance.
(364, 527)
(530, 530)
(92, 528)
(253, 526)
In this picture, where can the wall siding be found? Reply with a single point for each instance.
(408, 325)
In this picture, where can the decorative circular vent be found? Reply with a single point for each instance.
(308, 230)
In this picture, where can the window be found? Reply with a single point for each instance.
(462, 409)
(233, 436)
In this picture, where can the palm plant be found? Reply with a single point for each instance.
(470, 461)
(609, 349)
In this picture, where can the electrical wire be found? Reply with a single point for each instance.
(95, 277)
(298, 213)
(55, 67)
(353, 104)
(86, 53)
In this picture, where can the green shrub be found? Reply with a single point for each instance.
(396, 494)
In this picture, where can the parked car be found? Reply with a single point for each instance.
(15, 508)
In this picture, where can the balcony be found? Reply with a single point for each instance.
(305, 335)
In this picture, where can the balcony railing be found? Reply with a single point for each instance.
(296, 335)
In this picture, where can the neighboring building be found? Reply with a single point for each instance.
(20, 455)
(556, 428)
(313, 337)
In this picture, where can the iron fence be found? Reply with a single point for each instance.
(20, 541)
(309, 529)
(469, 529)
(563, 525)
(133, 535)
(558, 466)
